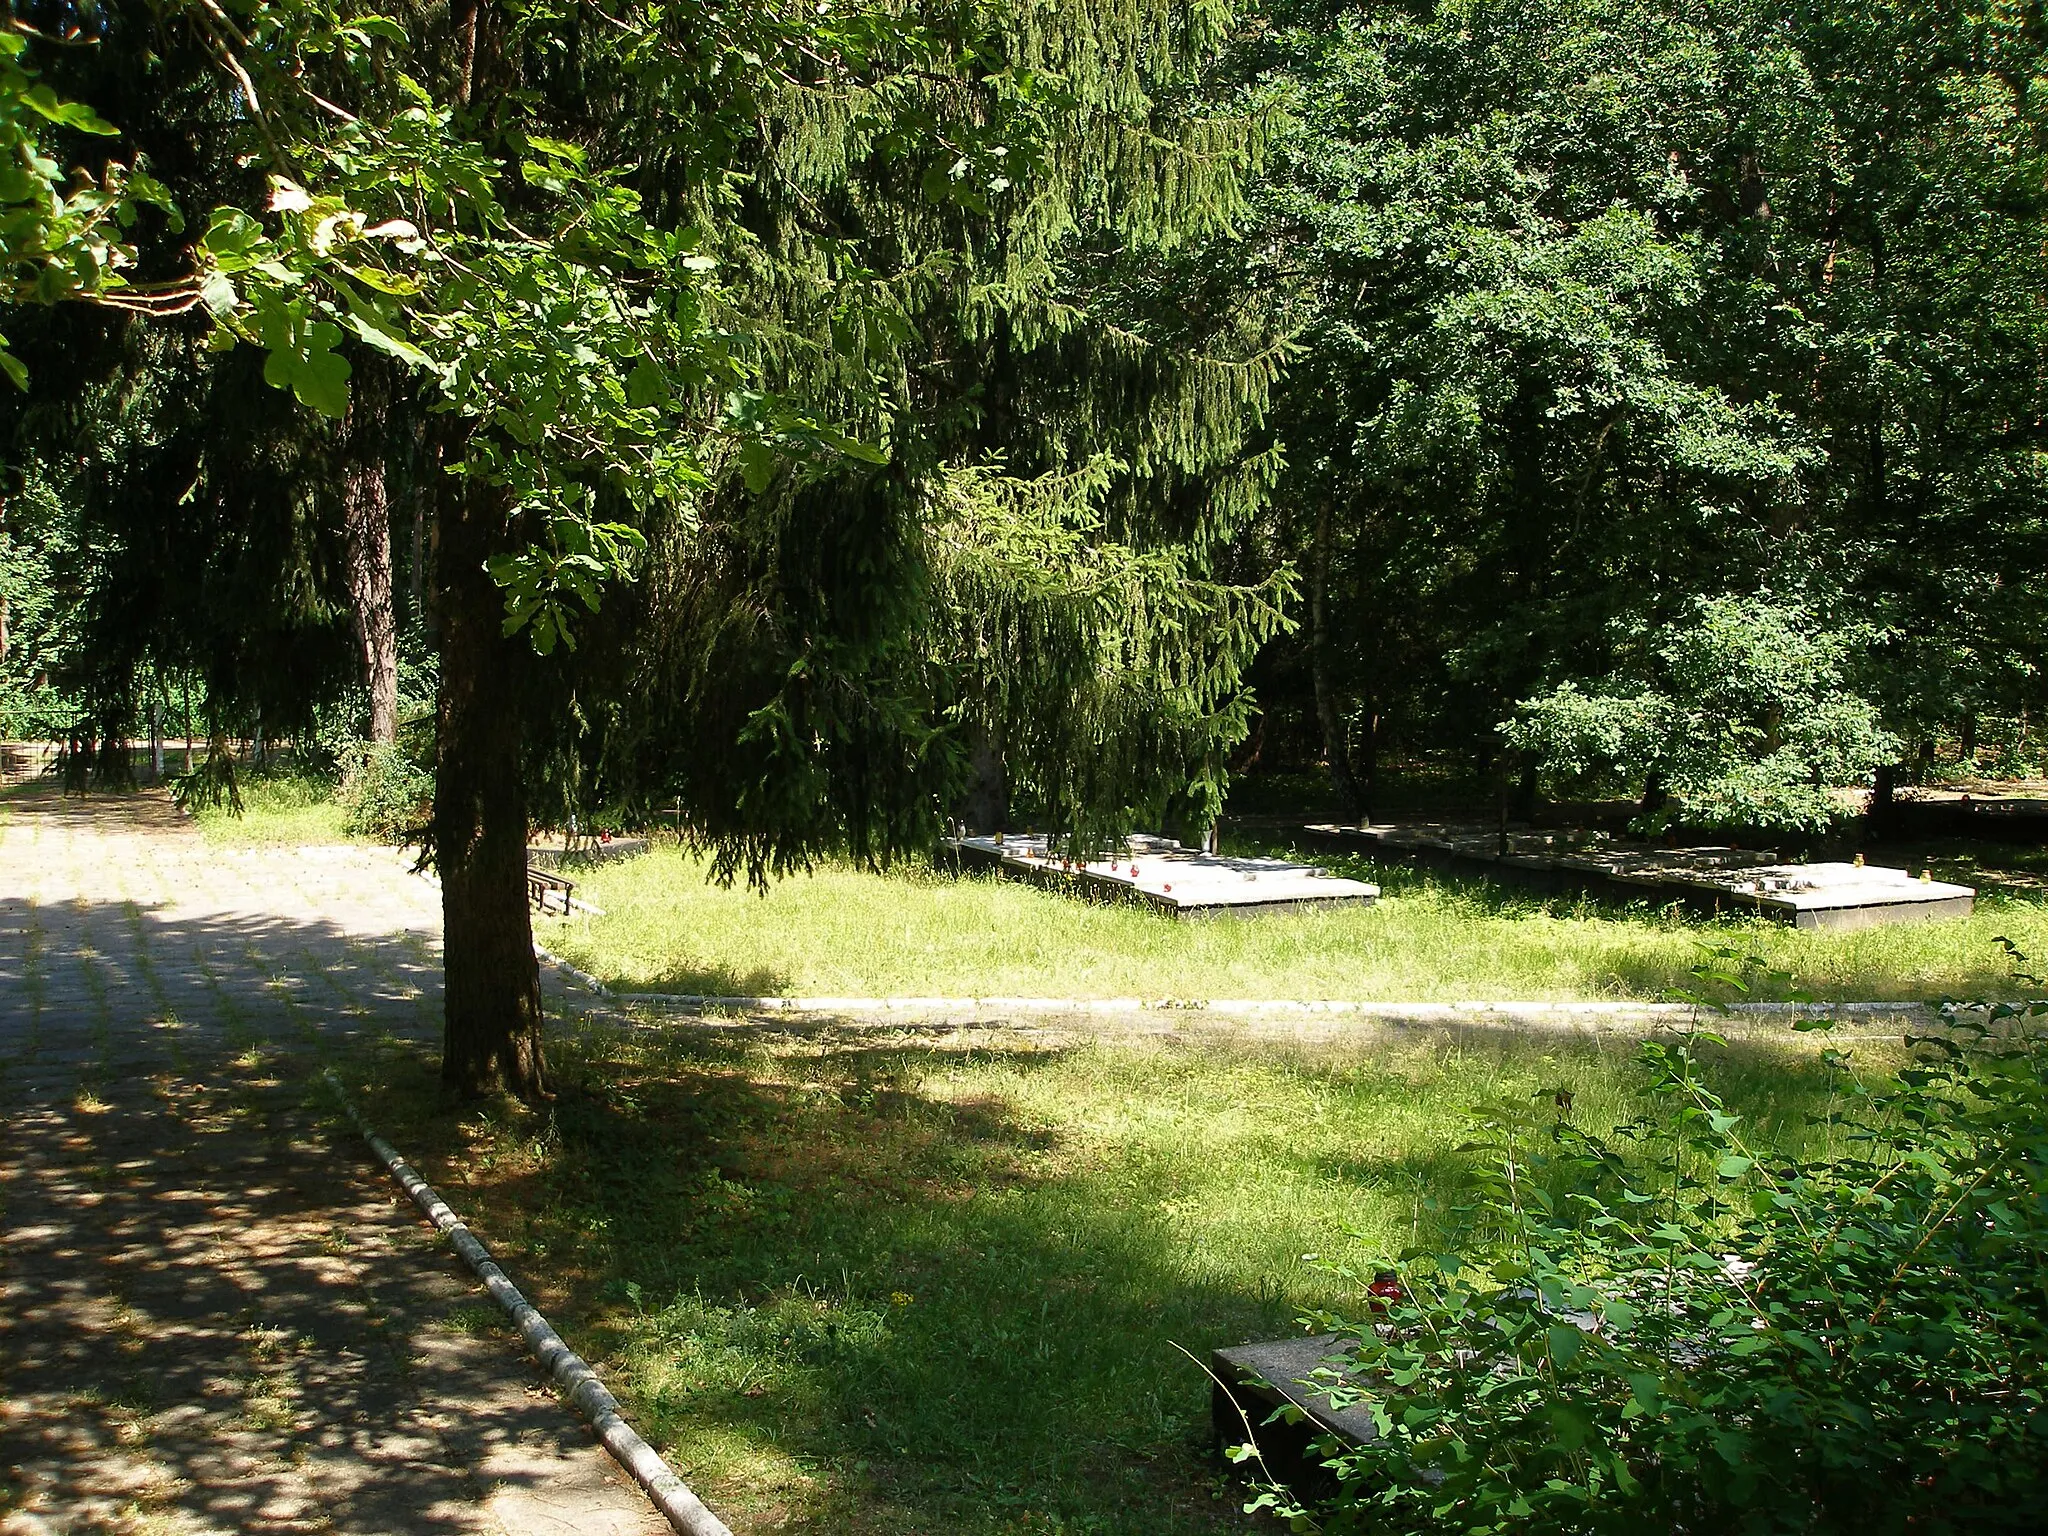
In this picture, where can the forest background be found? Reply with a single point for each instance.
(831, 420)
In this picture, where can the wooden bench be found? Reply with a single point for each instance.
(544, 885)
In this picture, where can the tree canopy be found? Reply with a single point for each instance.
(834, 420)
(1612, 308)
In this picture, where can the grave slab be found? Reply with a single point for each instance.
(1714, 878)
(1251, 1381)
(1160, 873)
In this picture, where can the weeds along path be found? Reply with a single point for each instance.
(216, 1314)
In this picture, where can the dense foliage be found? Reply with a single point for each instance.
(1610, 308)
(37, 544)
(831, 421)
(842, 327)
(1737, 714)
(1667, 1328)
(386, 793)
(763, 287)
(1556, 326)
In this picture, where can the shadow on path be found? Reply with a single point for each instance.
(216, 1314)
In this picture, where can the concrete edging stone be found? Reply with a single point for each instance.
(668, 1492)
(1623, 1009)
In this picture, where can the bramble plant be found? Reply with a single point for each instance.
(1673, 1329)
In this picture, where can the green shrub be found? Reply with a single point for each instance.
(385, 793)
(1690, 1334)
(1741, 713)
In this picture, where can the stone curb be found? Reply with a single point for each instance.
(668, 1492)
(582, 979)
(1228, 1007)
(693, 1002)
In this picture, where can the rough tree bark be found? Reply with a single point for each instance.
(366, 525)
(491, 990)
(1335, 749)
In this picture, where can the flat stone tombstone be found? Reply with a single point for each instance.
(1251, 1381)
(1711, 879)
(1160, 873)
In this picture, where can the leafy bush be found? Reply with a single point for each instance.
(1741, 713)
(1703, 1336)
(385, 793)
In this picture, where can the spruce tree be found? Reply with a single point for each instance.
(1072, 375)
(882, 343)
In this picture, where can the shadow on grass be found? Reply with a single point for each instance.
(1778, 1084)
(828, 1266)
(855, 1289)
(709, 981)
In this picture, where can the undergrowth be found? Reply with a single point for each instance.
(938, 1282)
(1683, 1321)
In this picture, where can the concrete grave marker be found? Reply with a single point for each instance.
(1820, 895)
(1250, 1381)
(1184, 882)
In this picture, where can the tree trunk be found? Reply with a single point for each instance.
(1527, 799)
(1655, 796)
(366, 527)
(416, 569)
(1365, 762)
(1328, 716)
(3, 595)
(987, 806)
(1879, 818)
(491, 989)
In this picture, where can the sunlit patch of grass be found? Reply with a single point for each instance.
(934, 1282)
(281, 806)
(919, 932)
(479, 1318)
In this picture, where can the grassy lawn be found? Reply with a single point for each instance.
(932, 1283)
(280, 806)
(845, 932)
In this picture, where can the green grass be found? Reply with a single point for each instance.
(918, 932)
(280, 806)
(922, 1283)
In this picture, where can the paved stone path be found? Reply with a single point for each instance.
(216, 1313)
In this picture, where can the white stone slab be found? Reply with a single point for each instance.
(1820, 895)
(1807, 887)
(1183, 881)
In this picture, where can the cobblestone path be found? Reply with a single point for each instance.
(216, 1314)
